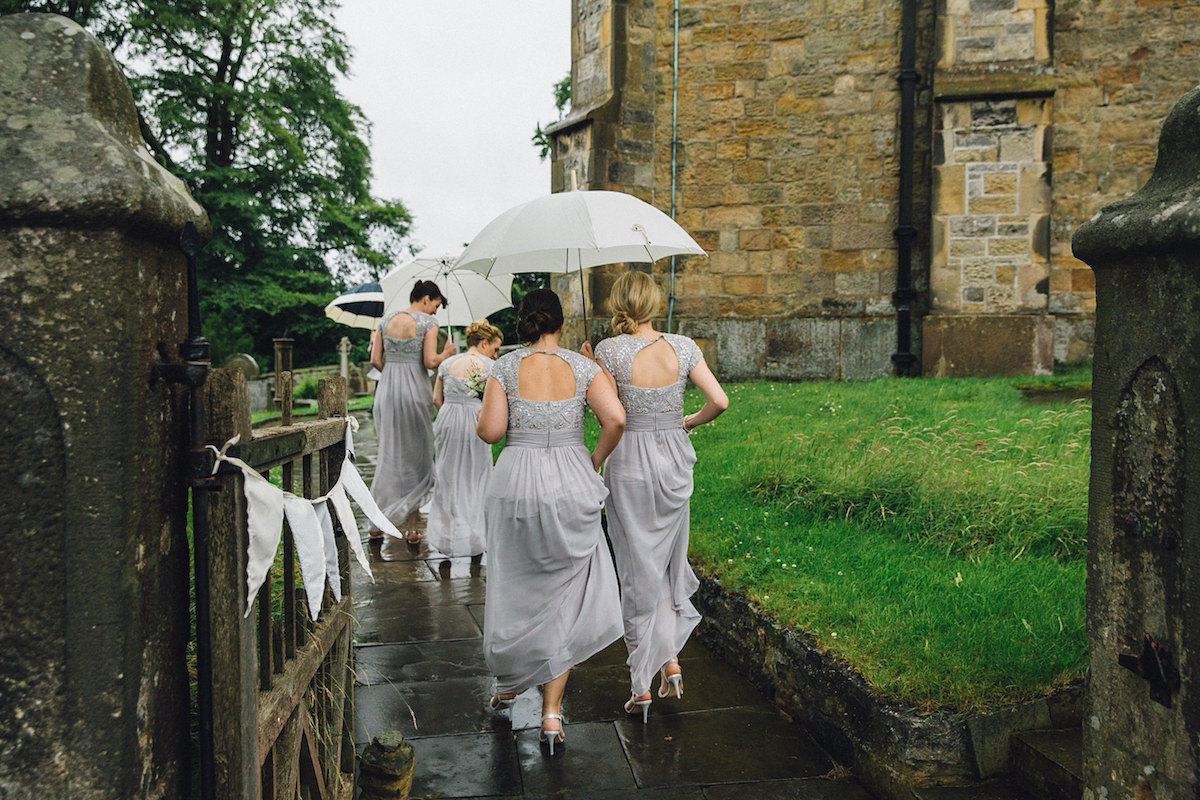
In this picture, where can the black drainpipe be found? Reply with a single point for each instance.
(903, 359)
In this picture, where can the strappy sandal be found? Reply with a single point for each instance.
(638, 702)
(413, 537)
(498, 702)
(671, 680)
(551, 736)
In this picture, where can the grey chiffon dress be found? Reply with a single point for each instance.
(649, 479)
(462, 467)
(403, 415)
(551, 598)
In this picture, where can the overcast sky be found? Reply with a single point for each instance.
(454, 90)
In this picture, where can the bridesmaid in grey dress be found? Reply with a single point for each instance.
(551, 589)
(464, 461)
(404, 349)
(649, 478)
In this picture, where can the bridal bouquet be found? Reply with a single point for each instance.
(476, 382)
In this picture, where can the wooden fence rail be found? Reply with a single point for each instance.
(282, 686)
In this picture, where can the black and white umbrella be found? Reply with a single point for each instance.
(360, 307)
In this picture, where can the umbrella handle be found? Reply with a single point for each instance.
(582, 295)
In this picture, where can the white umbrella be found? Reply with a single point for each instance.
(469, 295)
(360, 307)
(573, 230)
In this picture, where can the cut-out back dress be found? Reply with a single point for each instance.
(403, 415)
(462, 466)
(649, 479)
(551, 589)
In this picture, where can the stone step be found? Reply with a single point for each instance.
(998, 789)
(1048, 764)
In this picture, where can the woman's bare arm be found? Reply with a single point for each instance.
(377, 350)
(493, 417)
(602, 397)
(715, 399)
(429, 351)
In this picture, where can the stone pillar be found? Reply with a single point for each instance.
(1142, 713)
(344, 353)
(94, 588)
(283, 363)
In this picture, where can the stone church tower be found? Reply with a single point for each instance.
(787, 119)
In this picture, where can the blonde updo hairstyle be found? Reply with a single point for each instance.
(481, 331)
(635, 298)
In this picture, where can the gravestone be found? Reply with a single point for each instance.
(94, 583)
(1142, 713)
(243, 363)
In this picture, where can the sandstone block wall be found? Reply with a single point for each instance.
(1119, 68)
(787, 171)
(1031, 116)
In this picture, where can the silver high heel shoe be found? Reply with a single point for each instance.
(670, 682)
(633, 704)
(550, 736)
(498, 703)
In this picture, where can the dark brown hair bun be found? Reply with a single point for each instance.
(541, 313)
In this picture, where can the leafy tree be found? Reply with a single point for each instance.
(239, 99)
(562, 99)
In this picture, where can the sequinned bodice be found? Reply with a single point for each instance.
(617, 354)
(455, 384)
(407, 349)
(545, 415)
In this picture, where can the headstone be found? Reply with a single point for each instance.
(94, 588)
(1142, 713)
(243, 363)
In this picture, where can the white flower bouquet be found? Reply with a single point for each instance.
(476, 383)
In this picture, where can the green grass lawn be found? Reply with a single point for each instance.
(930, 533)
(303, 412)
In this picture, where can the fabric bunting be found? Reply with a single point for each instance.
(311, 522)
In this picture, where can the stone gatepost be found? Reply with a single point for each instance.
(344, 356)
(1142, 713)
(93, 541)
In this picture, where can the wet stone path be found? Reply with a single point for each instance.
(420, 670)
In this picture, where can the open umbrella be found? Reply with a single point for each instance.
(360, 307)
(469, 295)
(573, 230)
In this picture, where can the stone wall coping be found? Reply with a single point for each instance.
(1164, 215)
(73, 154)
(599, 109)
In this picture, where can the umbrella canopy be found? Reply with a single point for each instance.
(470, 295)
(574, 230)
(360, 307)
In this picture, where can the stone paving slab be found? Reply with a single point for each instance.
(600, 692)
(439, 707)
(798, 789)
(728, 745)
(419, 661)
(989, 790)
(400, 622)
(589, 760)
(466, 766)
